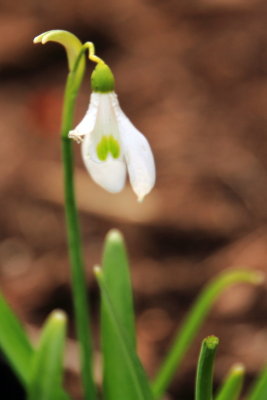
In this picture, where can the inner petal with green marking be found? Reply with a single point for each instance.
(107, 144)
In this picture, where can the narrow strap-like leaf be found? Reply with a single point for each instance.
(116, 375)
(14, 342)
(204, 378)
(139, 388)
(259, 388)
(46, 369)
(232, 385)
(193, 321)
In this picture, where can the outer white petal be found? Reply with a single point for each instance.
(138, 156)
(109, 174)
(88, 122)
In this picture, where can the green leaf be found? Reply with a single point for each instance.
(233, 383)
(194, 320)
(14, 342)
(204, 379)
(137, 382)
(46, 369)
(116, 375)
(259, 388)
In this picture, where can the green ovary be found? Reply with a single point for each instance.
(107, 144)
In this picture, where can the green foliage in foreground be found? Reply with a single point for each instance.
(232, 385)
(205, 368)
(46, 368)
(40, 370)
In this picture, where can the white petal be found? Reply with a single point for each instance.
(138, 156)
(87, 124)
(105, 124)
(109, 174)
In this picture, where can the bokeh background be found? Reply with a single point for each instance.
(192, 75)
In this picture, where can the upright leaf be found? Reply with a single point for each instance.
(14, 342)
(204, 378)
(137, 387)
(259, 388)
(116, 375)
(46, 369)
(232, 385)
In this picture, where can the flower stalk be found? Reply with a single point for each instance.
(76, 61)
(75, 249)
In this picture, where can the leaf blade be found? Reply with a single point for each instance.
(233, 383)
(117, 279)
(14, 341)
(259, 388)
(138, 385)
(204, 378)
(46, 370)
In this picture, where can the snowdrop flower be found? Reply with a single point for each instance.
(111, 145)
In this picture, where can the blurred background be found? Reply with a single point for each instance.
(192, 75)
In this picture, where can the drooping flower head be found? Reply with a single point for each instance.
(111, 145)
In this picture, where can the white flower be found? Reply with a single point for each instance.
(112, 146)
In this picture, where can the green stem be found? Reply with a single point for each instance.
(204, 379)
(74, 242)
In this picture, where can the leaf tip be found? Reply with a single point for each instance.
(97, 271)
(211, 342)
(59, 316)
(115, 236)
(238, 369)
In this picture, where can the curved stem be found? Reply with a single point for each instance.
(91, 47)
(74, 243)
